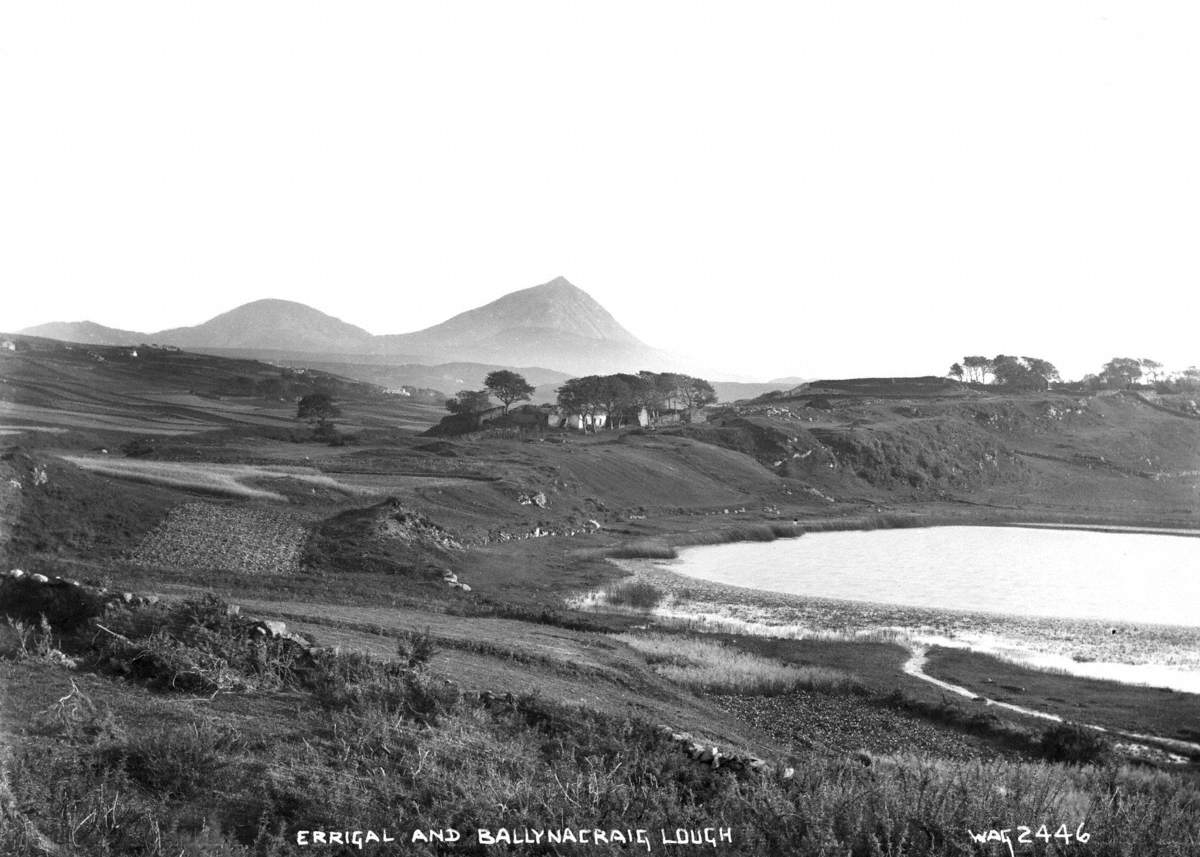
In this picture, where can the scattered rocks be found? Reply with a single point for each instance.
(711, 755)
(536, 499)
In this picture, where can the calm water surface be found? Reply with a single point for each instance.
(1127, 577)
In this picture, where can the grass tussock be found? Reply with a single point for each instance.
(740, 533)
(643, 549)
(880, 521)
(710, 667)
(637, 594)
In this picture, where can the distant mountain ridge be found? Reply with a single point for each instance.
(556, 325)
(85, 332)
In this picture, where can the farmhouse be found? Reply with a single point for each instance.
(583, 422)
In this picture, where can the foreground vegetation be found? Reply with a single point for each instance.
(299, 739)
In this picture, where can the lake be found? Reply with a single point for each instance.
(1016, 571)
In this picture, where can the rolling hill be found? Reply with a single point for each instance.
(85, 333)
(270, 324)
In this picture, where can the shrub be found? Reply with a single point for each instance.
(416, 649)
(361, 686)
(639, 594)
(1067, 742)
(174, 763)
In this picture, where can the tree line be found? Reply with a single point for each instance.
(1035, 373)
(1006, 370)
(1123, 372)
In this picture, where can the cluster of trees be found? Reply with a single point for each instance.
(506, 386)
(1123, 372)
(590, 395)
(1006, 370)
(623, 393)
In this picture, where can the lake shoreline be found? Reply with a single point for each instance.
(1137, 654)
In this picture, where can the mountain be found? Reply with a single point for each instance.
(86, 332)
(555, 324)
(269, 325)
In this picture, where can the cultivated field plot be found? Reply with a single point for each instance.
(226, 479)
(199, 536)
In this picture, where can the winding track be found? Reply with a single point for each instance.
(915, 667)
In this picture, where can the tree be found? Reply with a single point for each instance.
(1152, 368)
(317, 408)
(956, 371)
(978, 368)
(583, 396)
(696, 392)
(1121, 372)
(469, 402)
(508, 387)
(1014, 372)
(1042, 368)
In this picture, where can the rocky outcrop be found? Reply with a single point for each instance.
(66, 603)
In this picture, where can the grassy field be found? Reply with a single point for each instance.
(707, 666)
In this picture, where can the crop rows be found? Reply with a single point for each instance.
(198, 536)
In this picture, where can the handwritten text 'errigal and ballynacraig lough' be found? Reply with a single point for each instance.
(361, 839)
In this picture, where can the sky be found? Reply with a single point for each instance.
(811, 189)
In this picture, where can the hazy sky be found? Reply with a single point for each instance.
(796, 188)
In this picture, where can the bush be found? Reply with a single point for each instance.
(416, 649)
(639, 594)
(1067, 742)
(174, 763)
(366, 688)
(196, 646)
